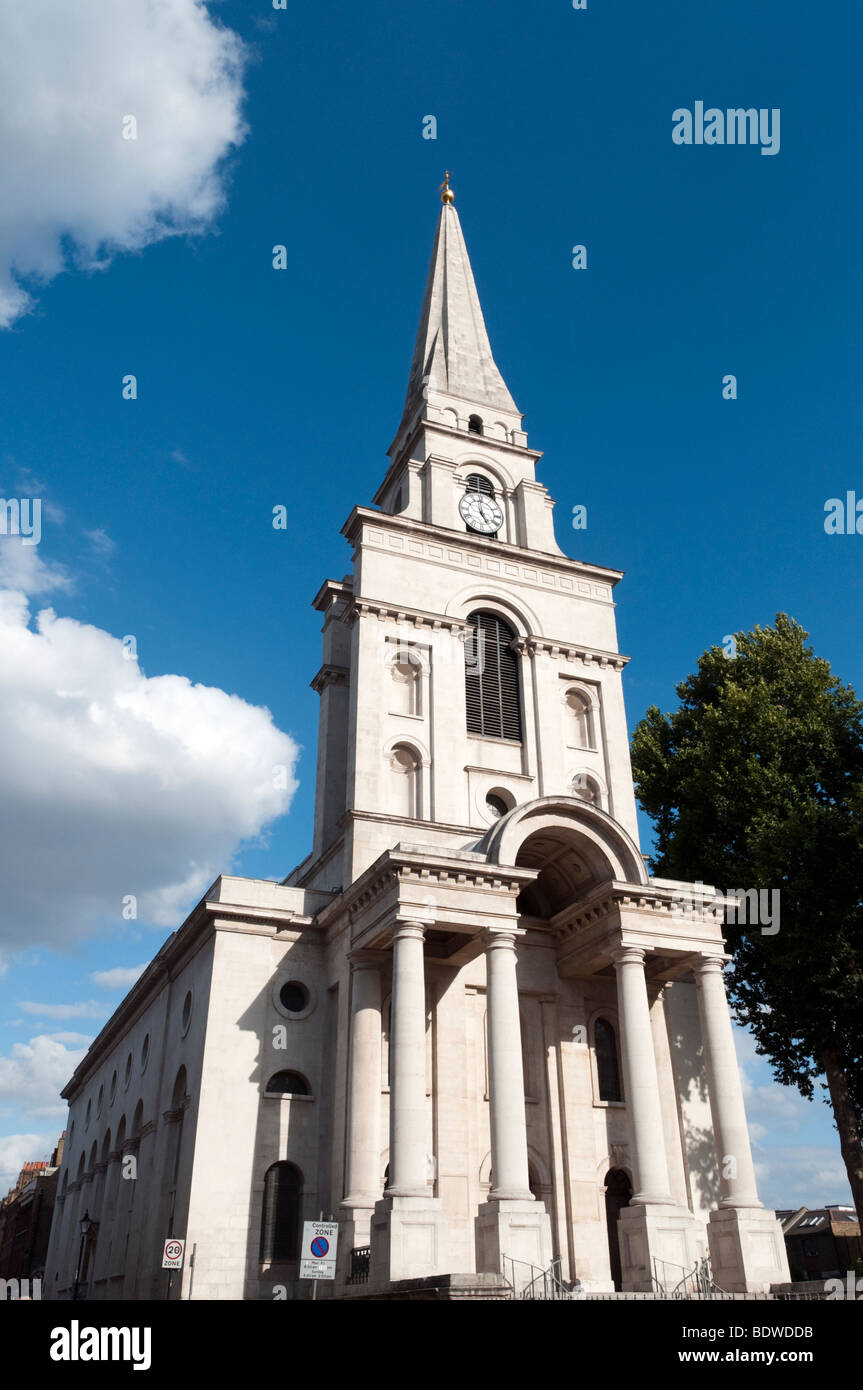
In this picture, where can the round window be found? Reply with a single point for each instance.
(100, 1099)
(145, 1052)
(113, 1090)
(127, 1073)
(187, 1011)
(294, 997)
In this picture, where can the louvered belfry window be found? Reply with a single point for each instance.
(491, 678)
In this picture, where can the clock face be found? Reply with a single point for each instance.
(481, 513)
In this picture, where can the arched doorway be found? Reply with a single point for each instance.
(618, 1193)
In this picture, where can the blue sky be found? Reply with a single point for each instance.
(259, 387)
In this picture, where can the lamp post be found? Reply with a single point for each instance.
(86, 1227)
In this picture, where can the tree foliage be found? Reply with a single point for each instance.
(756, 781)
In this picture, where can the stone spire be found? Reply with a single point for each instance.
(453, 355)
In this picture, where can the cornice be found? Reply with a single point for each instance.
(329, 675)
(477, 547)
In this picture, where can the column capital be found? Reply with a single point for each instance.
(709, 965)
(365, 960)
(410, 929)
(627, 955)
(501, 938)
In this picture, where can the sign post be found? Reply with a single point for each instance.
(318, 1251)
(172, 1258)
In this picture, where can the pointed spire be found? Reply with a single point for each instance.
(453, 355)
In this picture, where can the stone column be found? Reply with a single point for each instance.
(511, 1225)
(730, 1131)
(641, 1092)
(363, 1179)
(408, 1228)
(509, 1171)
(408, 1064)
(657, 1238)
(747, 1247)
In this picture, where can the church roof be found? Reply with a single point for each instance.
(453, 354)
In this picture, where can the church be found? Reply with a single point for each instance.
(469, 1027)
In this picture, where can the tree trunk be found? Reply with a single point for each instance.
(848, 1124)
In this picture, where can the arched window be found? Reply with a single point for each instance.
(178, 1095)
(288, 1083)
(280, 1221)
(492, 678)
(404, 780)
(579, 720)
(474, 424)
(607, 1071)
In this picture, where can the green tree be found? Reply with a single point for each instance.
(756, 781)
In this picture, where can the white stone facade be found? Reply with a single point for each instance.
(506, 1041)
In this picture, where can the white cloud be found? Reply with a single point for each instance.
(35, 1072)
(74, 190)
(23, 570)
(101, 542)
(18, 1149)
(116, 785)
(121, 977)
(86, 1009)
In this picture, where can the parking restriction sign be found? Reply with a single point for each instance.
(318, 1253)
(172, 1255)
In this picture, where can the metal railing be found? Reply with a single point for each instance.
(696, 1282)
(538, 1283)
(360, 1260)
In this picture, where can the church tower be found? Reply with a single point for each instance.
(516, 995)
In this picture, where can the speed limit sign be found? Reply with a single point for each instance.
(172, 1255)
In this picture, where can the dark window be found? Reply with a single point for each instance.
(474, 424)
(288, 1083)
(280, 1223)
(491, 678)
(606, 1060)
(477, 483)
(294, 997)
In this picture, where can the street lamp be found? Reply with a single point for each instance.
(86, 1227)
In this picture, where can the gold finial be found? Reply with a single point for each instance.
(447, 196)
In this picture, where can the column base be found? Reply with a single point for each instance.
(515, 1228)
(408, 1239)
(657, 1243)
(747, 1249)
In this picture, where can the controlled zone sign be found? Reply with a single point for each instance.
(318, 1253)
(172, 1255)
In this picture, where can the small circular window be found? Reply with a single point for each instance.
(145, 1052)
(187, 1012)
(99, 1100)
(294, 997)
(113, 1090)
(87, 1116)
(127, 1072)
(496, 806)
